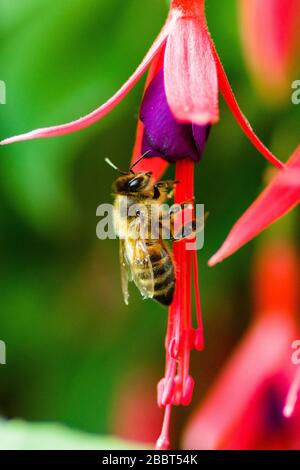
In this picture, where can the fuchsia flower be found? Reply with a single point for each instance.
(193, 74)
(244, 409)
(270, 33)
(279, 197)
(179, 106)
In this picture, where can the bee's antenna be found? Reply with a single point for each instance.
(139, 159)
(110, 163)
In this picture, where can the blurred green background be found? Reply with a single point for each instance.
(76, 354)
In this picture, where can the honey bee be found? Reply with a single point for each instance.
(145, 260)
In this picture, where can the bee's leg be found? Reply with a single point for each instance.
(167, 229)
(167, 184)
(170, 195)
(183, 205)
(190, 229)
(164, 190)
(187, 202)
(186, 231)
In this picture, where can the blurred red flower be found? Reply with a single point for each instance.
(270, 34)
(244, 409)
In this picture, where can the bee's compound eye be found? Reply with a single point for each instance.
(134, 184)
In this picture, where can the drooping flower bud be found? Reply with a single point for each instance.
(164, 136)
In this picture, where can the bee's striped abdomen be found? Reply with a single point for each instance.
(163, 273)
(157, 278)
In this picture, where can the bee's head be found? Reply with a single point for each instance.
(131, 183)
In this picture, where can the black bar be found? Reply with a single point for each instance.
(136, 458)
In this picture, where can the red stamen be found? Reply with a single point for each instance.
(176, 388)
(163, 442)
(198, 337)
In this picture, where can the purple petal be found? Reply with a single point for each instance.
(164, 136)
(201, 134)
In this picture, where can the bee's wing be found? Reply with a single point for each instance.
(142, 272)
(125, 273)
(140, 262)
